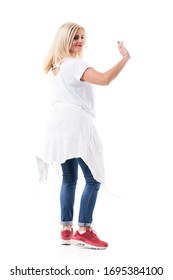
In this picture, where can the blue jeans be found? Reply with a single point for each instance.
(67, 194)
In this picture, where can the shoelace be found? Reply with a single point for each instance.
(93, 232)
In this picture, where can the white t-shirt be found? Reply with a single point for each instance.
(68, 88)
(70, 131)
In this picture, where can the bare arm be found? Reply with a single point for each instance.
(98, 78)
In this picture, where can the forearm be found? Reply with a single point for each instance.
(98, 78)
(112, 73)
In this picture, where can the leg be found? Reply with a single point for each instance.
(67, 193)
(89, 196)
(86, 236)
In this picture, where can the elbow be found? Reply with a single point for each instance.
(106, 82)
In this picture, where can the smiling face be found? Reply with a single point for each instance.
(77, 43)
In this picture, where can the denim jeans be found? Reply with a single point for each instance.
(67, 194)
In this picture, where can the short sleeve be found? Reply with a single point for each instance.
(79, 68)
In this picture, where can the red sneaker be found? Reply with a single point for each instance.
(66, 237)
(89, 239)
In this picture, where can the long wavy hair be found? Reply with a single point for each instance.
(61, 45)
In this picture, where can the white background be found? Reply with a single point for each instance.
(134, 119)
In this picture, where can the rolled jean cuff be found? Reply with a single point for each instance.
(66, 223)
(84, 224)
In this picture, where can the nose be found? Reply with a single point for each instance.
(80, 40)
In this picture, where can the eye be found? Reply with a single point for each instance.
(76, 37)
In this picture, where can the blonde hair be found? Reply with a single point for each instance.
(61, 45)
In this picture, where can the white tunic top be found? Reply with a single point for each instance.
(70, 130)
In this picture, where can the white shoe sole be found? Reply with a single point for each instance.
(85, 245)
(66, 242)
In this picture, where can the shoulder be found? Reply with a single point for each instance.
(75, 61)
(79, 63)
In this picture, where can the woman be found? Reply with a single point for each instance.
(71, 137)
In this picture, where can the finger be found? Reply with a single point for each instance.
(120, 44)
